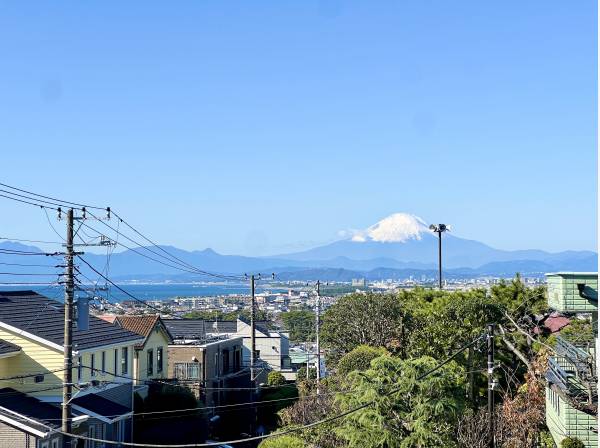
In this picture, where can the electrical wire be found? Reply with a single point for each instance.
(286, 431)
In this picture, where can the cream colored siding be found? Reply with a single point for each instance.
(157, 339)
(36, 357)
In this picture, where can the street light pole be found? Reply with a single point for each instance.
(439, 229)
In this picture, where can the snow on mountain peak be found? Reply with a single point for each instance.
(396, 228)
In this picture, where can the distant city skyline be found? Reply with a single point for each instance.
(267, 128)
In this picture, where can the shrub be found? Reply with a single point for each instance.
(275, 379)
(359, 359)
(572, 442)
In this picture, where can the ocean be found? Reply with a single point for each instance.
(160, 291)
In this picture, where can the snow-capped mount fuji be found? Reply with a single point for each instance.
(407, 239)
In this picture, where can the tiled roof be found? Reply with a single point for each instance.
(44, 317)
(8, 347)
(138, 324)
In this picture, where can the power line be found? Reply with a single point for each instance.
(287, 431)
(51, 198)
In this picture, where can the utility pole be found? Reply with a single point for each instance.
(490, 372)
(317, 325)
(252, 331)
(67, 425)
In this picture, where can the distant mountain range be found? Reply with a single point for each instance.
(398, 246)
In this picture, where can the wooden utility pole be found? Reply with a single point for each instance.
(67, 425)
(490, 373)
(317, 325)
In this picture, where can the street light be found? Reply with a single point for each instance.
(439, 229)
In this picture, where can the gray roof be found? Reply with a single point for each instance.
(44, 317)
(8, 347)
(221, 326)
(186, 328)
(29, 411)
(101, 406)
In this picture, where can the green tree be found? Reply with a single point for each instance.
(359, 359)
(378, 320)
(420, 413)
(300, 324)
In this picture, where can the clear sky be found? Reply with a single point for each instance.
(267, 127)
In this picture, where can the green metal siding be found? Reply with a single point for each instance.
(563, 294)
(563, 420)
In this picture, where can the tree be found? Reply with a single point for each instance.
(359, 359)
(378, 320)
(300, 324)
(419, 413)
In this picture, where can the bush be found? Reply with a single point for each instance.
(163, 397)
(572, 442)
(282, 442)
(359, 359)
(275, 379)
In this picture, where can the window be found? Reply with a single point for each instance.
(124, 360)
(159, 360)
(150, 361)
(187, 370)
(103, 363)
(79, 368)
(226, 361)
(116, 361)
(54, 443)
(44, 445)
(93, 364)
(92, 435)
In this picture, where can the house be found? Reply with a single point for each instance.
(572, 391)
(272, 346)
(31, 374)
(150, 357)
(209, 365)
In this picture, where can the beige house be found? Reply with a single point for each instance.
(31, 372)
(150, 357)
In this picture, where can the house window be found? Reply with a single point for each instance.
(159, 360)
(54, 443)
(93, 364)
(187, 370)
(44, 445)
(124, 360)
(116, 361)
(103, 363)
(150, 361)
(226, 361)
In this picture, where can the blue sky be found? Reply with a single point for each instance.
(267, 127)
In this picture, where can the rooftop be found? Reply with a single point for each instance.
(43, 317)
